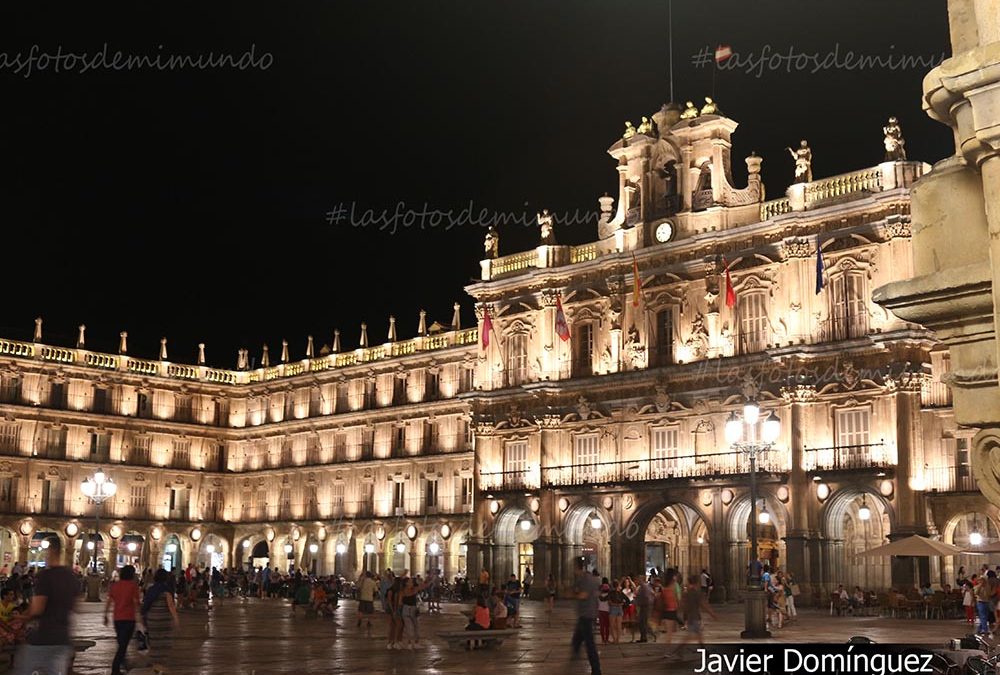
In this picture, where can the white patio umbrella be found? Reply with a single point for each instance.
(914, 546)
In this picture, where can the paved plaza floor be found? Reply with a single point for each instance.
(256, 637)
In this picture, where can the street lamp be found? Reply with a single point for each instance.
(98, 488)
(743, 435)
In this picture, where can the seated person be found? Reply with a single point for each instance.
(320, 600)
(301, 597)
(499, 614)
(480, 616)
(925, 590)
(12, 623)
(858, 599)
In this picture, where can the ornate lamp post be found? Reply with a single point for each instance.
(98, 488)
(742, 435)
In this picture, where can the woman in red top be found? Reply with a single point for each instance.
(124, 594)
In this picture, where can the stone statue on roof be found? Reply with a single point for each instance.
(645, 126)
(710, 107)
(545, 222)
(690, 111)
(803, 162)
(894, 150)
(491, 243)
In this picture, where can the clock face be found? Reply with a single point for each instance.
(664, 231)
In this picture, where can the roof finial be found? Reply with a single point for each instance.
(284, 351)
(364, 336)
(392, 328)
(309, 347)
(422, 326)
(38, 330)
(336, 341)
(123, 342)
(201, 353)
(163, 349)
(265, 358)
(242, 359)
(80, 338)
(456, 318)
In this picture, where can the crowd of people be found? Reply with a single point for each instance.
(145, 607)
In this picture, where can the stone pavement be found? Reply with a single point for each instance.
(259, 637)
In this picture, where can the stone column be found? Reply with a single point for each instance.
(718, 550)
(909, 502)
(796, 540)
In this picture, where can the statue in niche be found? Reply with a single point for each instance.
(698, 342)
(803, 157)
(491, 244)
(894, 150)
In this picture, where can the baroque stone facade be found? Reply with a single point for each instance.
(590, 425)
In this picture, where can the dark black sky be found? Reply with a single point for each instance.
(193, 203)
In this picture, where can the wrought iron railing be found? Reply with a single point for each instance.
(950, 479)
(849, 457)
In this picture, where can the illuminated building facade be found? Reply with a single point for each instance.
(440, 453)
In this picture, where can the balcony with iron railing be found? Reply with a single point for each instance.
(950, 479)
(850, 457)
(837, 328)
(678, 467)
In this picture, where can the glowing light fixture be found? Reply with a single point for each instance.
(288, 549)
(369, 548)
(313, 548)
(342, 548)
(132, 546)
(595, 521)
(400, 547)
(864, 513)
(246, 543)
(975, 538)
(434, 548)
(764, 517)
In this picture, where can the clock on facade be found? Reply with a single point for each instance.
(664, 231)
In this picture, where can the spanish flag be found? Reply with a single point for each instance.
(730, 291)
(636, 281)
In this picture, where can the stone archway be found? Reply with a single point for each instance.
(587, 534)
(514, 533)
(848, 530)
(677, 537)
(962, 530)
(9, 549)
(770, 537)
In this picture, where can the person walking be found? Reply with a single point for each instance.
(48, 650)
(124, 597)
(366, 601)
(409, 611)
(644, 596)
(529, 579)
(692, 604)
(586, 589)
(550, 597)
(159, 613)
(984, 593)
(604, 610)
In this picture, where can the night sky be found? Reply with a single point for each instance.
(193, 203)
